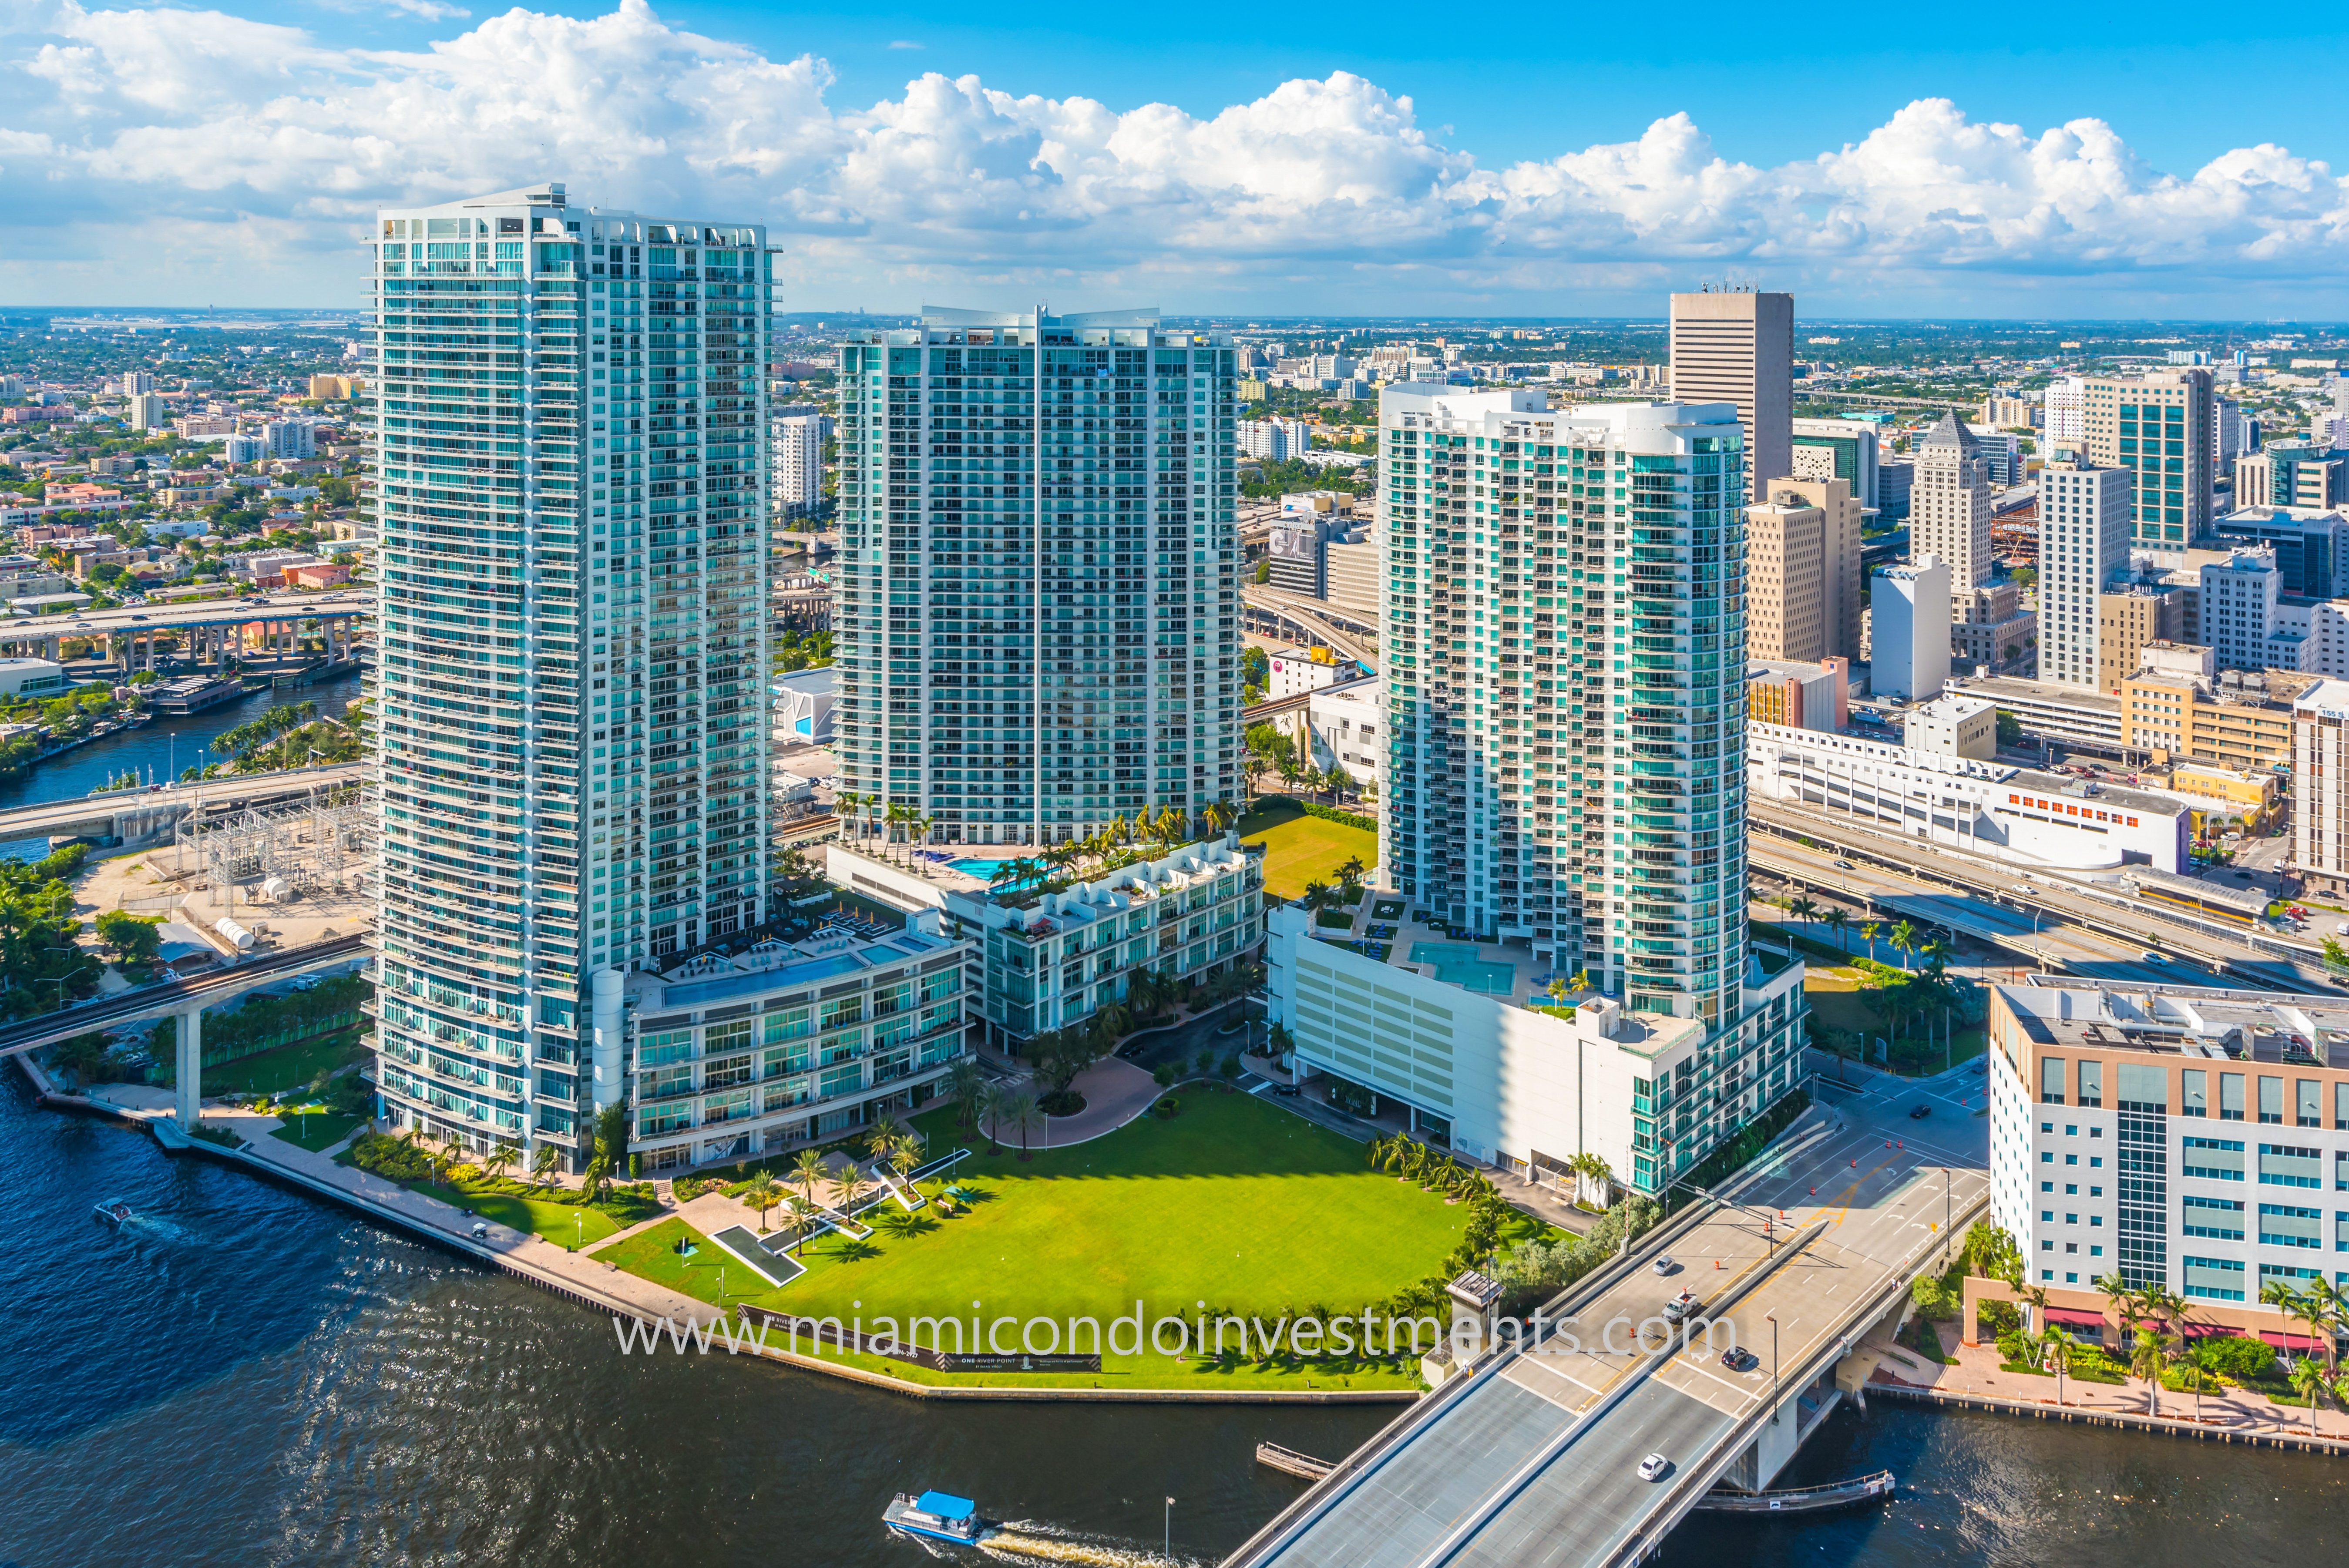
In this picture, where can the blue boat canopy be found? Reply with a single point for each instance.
(945, 1505)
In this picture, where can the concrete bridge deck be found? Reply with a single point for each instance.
(1532, 1458)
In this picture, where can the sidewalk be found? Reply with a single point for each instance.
(1976, 1372)
(1115, 1093)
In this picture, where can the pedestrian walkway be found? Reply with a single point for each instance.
(1115, 1093)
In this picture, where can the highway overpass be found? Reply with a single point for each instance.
(1530, 1457)
(132, 816)
(1313, 620)
(185, 1000)
(2104, 928)
(208, 629)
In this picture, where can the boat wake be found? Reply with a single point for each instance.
(1027, 1540)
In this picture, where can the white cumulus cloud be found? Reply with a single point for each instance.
(180, 154)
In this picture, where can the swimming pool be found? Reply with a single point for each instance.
(985, 871)
(1457, 963)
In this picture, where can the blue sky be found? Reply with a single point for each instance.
(1371, 159)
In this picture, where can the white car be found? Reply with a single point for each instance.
(1665, 1263)
(1653, 1467)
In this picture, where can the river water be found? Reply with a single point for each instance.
(158, 750)
(246, 1375)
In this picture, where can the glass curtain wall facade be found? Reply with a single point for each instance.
(568, 464)
(1565, 632)
(1037, 617)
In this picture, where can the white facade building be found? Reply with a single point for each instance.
(1983, 808)
(1951, 724)
(2084, 544)
(1478, 1069)
(2196, 1138)
(2320, 772)
(1909, 638)
(795, 438)
(1275, 441)
(1349, 730)
(2239, 611)
(2068, 415)
(1299, 670)
(292, 439)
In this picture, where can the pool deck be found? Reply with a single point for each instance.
(1532, 974)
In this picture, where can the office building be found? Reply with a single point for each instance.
(2188, 1137)
(1909, 619)
(2066, 427)
(1346, 727)
(796, 435)
(1896, 484)
(1295, 670)
(2234, 435)
(2180, 704)
(1798, 696)
(1968, 801)
(1503, 702)
(2128, 617)
(1296, 555)
(1802, 550)
(1842, 450)
(1350, 567)
(2005, 411)
(788, 1044)
(2319, 765)
(1952, 725)
(2293, 474)
(2158, 425)
(2238, 608)
(243, 447)
(1037, 614)
(572, 771)
(2311, 545)
(1989, 627)
(1949, 509)
(2084, 545)
(147, 411)
(1737, 347)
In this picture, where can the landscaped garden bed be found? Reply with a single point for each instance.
(560, 1215)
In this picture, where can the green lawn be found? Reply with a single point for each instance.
(1235, 1202)
(558, 1222)
(316, 1133)
(1299, 848)
(286, 1067)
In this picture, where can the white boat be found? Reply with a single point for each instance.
(938, 1516)
(114, 1212)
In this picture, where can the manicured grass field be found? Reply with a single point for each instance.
(316, 1133)
(1299, 848)
(561, 1224)
(286, 1066)
(1248, 1208)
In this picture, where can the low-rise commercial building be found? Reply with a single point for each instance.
(1800, 696)
(2127, 619)
(1297, 670)
(1348, 730)
(1983, 808)
(1470, 1040)
(2181, 704)
(2192, 1138)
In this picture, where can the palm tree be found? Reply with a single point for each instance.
(2055, 1349)
(1028, 1117)
(2304, 1306)
(542, 1164)
(2333, 1303)
(2147, 1361)
(1317, 897)
(1838, 921)
(802, 1213)
(1904, 941)
(762, 1194)
(808, 1172)
(847, 1187)
(1804, 910)
(994, 1100)
(1221, 814)
(1868, 929)
(1353, 870)
(498, 1160)
(906, 1154)
(2307, 1378)
(963, 1079)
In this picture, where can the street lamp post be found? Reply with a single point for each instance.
(1772, 1319)
(1167, 1545)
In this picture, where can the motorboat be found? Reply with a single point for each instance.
(938, 1516)
(114, 1212)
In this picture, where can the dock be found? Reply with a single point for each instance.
(1288, 1462)
(1798, 1499)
